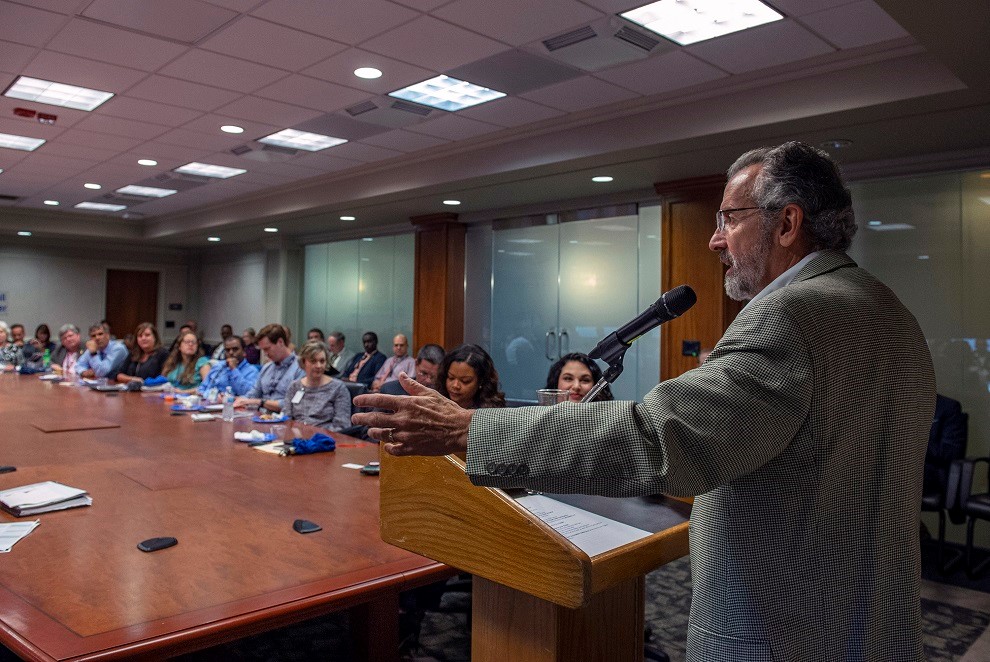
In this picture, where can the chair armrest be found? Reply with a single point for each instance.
(966, 469)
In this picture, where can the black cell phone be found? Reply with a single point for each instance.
(154, 544)
(305, 526)
(371, 469)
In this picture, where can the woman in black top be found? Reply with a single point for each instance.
(147, 357)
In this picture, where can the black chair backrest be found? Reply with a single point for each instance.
(356, 388)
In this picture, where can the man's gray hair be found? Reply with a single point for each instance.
(339, 335)
(797, 173)
(65, 328)
(6, 329)
(432, 353)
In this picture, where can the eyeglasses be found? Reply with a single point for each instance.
(722, 216)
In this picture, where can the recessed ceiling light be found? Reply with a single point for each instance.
(95, 187)
(876, 223)
(310, 142)
(56, 94)
(367, 239)
(348, 218)
(835, 143)
(231, 128)
(147, 162)
(447, 93)
(271, 229)
(922, 257)
(23, 233)
(147, 191)
(690, 21)
(208, 170)
(53, 203)
(100, 206)
(23, 143)
(368, 72)
(1, 170)
(213, 238)
(601, 178)
(452, 202)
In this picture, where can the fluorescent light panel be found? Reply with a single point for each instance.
(147, 191)
(100, 206)
(207, 170)
(23, 143)
(56, 94)
(447, 93)
(293, 139)
(690, 21)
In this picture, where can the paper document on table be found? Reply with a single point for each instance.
(42, 498)
(591, 533)
(11, 533)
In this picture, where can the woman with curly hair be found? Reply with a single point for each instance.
(469, 378)
(577, 373)
(186, 365)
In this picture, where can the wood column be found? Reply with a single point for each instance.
(687, 224)
(438, 309)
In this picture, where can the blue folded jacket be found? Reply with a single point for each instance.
(318, 443)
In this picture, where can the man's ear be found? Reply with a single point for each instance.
(790, 229)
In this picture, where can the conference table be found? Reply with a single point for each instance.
(77, 587)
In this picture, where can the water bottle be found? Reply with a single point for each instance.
(228, 405)
(46, 359)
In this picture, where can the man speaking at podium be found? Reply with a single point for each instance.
(803, 435)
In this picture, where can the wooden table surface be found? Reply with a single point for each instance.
(77, 588)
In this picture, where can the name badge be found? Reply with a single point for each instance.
(297, 398)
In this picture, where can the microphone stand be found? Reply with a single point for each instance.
(614, 370)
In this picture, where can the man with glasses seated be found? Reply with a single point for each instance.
(234, 371)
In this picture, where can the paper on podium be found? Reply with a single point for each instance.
(591, 533)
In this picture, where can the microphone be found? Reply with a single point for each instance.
(670, 305)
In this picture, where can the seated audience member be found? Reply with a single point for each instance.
(400, 361)
(17, 334)
(103, 357)
(34, 349)
(251, 351)
(363, 367)
(469, 378)
(234, 371)
(428, 362)
(147, 358)
(11, 355)
(67, 353)
(130, 342)
(315, 333)
(577, 373)
(317, 399)
(186, 365)
(106, 327)
(220, 351)
(281, 370)
(339, 355)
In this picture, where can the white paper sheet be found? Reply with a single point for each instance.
(591, 533)
(11, 533)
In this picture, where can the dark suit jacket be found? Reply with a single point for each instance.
(806, 447)
(368, 371)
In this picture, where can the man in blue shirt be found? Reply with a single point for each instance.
(234, 371)
(103, 357)
(281, 370)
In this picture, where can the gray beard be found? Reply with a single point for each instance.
(744, 283)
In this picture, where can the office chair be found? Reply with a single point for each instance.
(946, 447)
(975, 506)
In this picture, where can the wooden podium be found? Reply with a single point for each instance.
(536, 596)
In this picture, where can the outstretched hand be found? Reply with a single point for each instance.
(422, 423)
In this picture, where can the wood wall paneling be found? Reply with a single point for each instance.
(438, 311)
(132, 298)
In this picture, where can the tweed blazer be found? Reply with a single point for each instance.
(804, 437)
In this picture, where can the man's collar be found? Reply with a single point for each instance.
(783, 279)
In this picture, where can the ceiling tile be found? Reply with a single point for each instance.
(253, 39)
(856, 24)
(222, 71)
(346, 21)
(162, 89)
(67, 7)
(363, 152)
(67, 117)
(204, 142)
(147, 111)
(86, 73)
(325, 161)
(85, 153)
(267, 111)
(107, 44)
(802, 7)
(14, 57)
(433, 44)
(514, 72)
(735, 53)
(517, 21)
(159, 18)
(121, 127)
(210, 124)
(236, 5)
(53, 166)
(27, 127)
(579, 94)
(395, 74)
(313, 93)
(667, 72)
(405, 141)
(422, 5)
(103, 140)
(615, 6)
(454, 127)
(27, 25)
(161, 152)
(510, 111)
